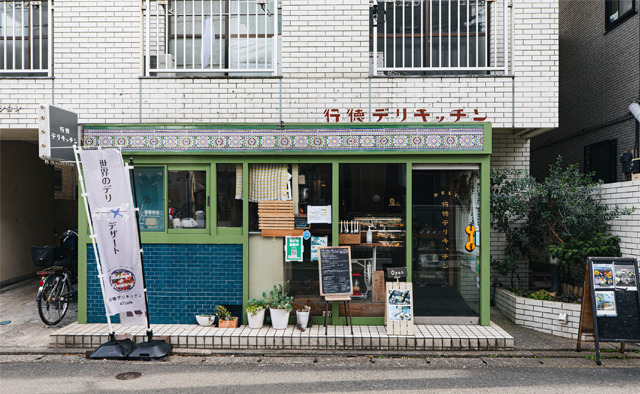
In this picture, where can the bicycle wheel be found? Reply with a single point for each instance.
(52, 306)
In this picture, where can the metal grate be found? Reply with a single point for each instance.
(211, 37)
(25, 29)
(439, 36)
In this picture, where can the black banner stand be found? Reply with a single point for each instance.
(625, 325)
(149, 350)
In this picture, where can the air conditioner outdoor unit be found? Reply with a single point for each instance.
(379, 63)
(162, 62)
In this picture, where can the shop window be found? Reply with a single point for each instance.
(312, 187)
(187, 199)
(24, 38)
(150, 197)
(229, 195)
(616, 11)
(374, 196)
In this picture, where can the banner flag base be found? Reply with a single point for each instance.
(113, 349)
(151, 350)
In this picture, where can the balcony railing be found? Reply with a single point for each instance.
(25, 47)
(439, 37)
(211, 37)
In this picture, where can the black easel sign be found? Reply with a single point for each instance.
(334, 263)
(611, 302)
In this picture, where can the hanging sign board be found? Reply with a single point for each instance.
(293, 248)
(611, 302)
(58, 133)
(334, 263)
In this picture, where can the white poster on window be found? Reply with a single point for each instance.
(319, 214)
(317, 242)
(114, 220)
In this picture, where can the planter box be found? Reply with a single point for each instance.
(541, 316)
(228, 323)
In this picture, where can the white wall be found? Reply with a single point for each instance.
(625, 195)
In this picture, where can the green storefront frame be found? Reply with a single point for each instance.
(169, 159)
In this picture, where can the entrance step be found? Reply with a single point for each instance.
(188, 336)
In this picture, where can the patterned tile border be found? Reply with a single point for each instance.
(463, 138)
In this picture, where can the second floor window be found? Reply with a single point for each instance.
(24, 38)
(435, 37)
(211, 37)
(617, 10)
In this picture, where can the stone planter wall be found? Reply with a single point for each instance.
(541, 316)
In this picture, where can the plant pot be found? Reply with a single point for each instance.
(257, 320)
(205, 320)
(233, 323)
(279, 318)
(303, 318)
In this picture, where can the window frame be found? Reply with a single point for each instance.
(208, 219)
(610, 25)
(45, 67)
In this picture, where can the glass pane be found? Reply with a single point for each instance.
(445, 274)
(374, 197)
(150, 198)
(311, 188)
(229, 192)
(187, 199)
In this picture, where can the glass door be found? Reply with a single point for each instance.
(446, 207)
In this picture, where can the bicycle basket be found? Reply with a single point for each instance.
(42, 256)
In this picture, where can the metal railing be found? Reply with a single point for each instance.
(25, 32)
(211, 37)
(439, 37)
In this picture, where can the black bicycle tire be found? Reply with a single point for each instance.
(49, 303)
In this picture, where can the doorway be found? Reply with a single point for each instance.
(445, 274)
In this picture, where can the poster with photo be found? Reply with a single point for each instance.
(625, 277)
(606, 303)
(603, 276)
(399, 297)
(399, 313)
(317, 242)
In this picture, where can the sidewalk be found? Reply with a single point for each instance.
(27, 334)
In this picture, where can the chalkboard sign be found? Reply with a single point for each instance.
(611, 300)
(334, 264)
(301, 221)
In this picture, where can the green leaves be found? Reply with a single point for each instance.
(278, 298)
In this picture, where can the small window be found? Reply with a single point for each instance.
(229, 195)
(150, 198)
(187, 199)
(617, 11)
(600, 160)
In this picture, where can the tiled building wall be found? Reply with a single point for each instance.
(325, 63)
(599, 74)
(625, 195)
(509, 151)
(181, 281)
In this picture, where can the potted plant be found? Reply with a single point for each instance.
(255, 312)
(279, 306)
(205, 320)
(302, 315)
(225, 320)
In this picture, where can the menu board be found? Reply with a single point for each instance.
(334, 264)
(611, 300)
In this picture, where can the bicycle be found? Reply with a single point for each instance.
(56, 289)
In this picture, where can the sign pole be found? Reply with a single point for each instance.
(149, 350)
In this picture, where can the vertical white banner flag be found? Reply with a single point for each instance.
(114, 220)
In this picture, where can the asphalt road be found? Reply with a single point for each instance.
(267, 375)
